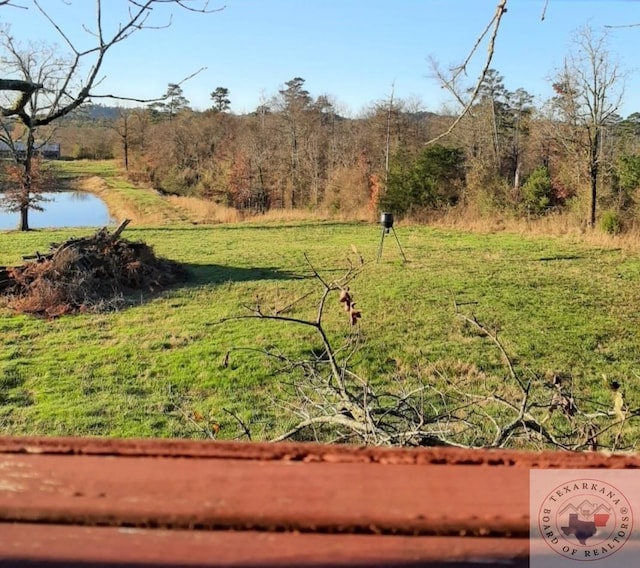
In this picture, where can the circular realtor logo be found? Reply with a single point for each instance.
(585, 519)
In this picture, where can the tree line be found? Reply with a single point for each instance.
(508, 154)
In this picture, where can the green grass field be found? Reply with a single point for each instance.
(559, 305)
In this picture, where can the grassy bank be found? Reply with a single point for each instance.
(147, 207)
(143, 206)
(560, 306)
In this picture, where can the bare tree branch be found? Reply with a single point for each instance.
(26, 87)
(451, 83)
(336, 420)
(245, 428)
(544, 10)
(622, 26)
(11, 4)
(66, 99)
(494, 338)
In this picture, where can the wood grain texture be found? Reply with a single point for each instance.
(171, 502)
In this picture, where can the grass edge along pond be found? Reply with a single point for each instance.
(167, 367)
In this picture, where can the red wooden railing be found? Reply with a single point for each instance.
(105, 502)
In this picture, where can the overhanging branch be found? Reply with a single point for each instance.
(27, 88)
(493, 26)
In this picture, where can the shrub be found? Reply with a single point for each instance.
(432, 180)
(611, 223)
(628, 169)
(537, 191)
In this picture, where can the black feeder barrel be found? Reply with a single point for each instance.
(386, 220)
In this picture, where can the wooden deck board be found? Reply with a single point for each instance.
(28, 543)
(172, 503)
(270, 495)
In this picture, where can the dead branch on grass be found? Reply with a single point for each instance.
(329, 402)
(532, 409)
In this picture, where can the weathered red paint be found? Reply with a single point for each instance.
(309, 452)
(172, 502)
(119, 546)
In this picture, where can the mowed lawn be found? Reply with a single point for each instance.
(170, 362)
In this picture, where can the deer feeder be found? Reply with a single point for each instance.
(386, 220)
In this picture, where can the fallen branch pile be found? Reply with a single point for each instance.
(88, 274)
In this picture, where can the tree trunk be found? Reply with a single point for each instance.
(24, 218)
(125, 140)
(26, 182)
(294, 167)
(593, 175)
(517, 163)
(594, 195)
(496, 140)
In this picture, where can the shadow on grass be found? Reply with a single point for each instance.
(196, 275)
(560, 257)
(218, 274)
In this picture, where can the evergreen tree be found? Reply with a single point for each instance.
(221, 101)
(172, 103)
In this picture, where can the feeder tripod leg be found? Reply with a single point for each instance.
(398, 241)
(381, 243)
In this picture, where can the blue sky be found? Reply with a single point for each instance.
(353, 50)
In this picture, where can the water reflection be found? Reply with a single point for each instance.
(63, 209)
(80, 196)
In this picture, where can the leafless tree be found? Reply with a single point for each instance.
(52, 85)
(589, 90)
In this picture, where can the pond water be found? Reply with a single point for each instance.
(65, 209)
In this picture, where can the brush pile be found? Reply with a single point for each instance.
(88, 274)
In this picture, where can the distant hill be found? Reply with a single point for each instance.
(102, 112)
(93, 113)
